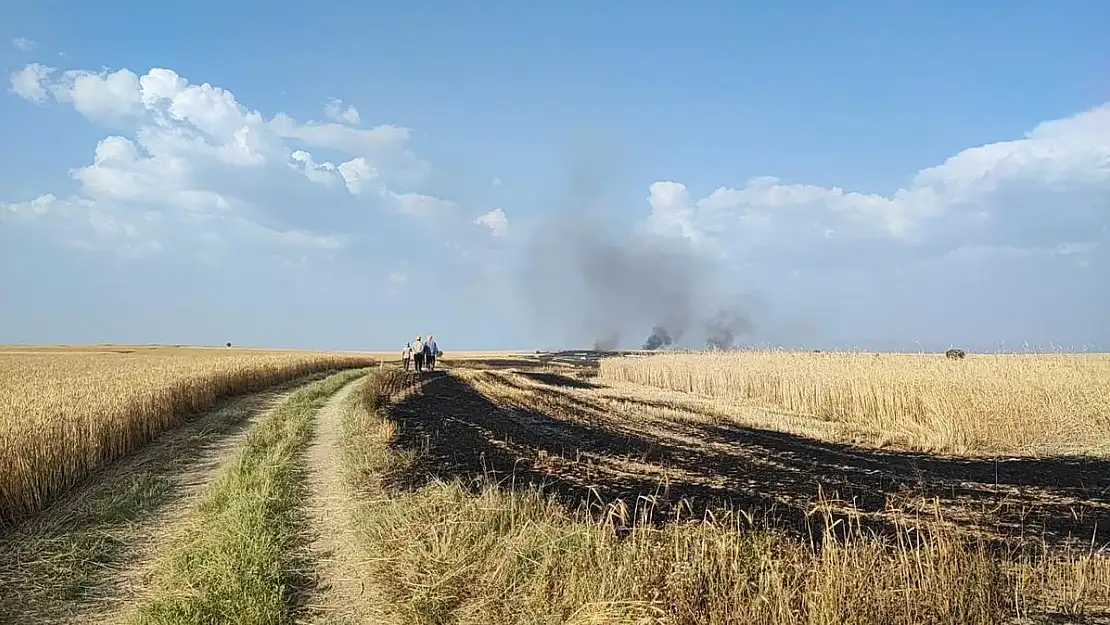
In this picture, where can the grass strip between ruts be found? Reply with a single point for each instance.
(240, 558)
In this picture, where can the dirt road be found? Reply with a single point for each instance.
(341, 595)
(84, 559)
(591, 443)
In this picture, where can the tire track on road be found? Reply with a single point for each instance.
(342, 594)
(86, 558)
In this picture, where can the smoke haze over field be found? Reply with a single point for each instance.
(586, 286)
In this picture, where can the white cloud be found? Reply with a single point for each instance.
(335, 112)
(671, 212)
(497, 182)
(24, 44)
(291, 239)
(188, 161)
(398, 277)
(357, 173)
(101, 96)
(86, 224)
(496, 221)
(1049, 188)
(421, 205)
(28, 82)
(322, 173)
(384, 145)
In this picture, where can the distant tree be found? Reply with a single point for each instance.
(229, 344)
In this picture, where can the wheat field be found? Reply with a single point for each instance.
(991, 403)
(670, 488)
(66, 412)
(507, 552)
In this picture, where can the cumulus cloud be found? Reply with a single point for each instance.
(358, 174)
(189, 161)
(28, 82)
(496, 221)
(335, 112)
(23, 44)
(321, 173)
(1047, 189)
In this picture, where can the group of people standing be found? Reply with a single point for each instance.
(422, 353)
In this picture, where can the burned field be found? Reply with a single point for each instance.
(634, 455)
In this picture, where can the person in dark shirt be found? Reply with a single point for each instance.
(431, 350)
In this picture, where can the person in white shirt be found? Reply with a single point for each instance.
(431, 350)
(406, 356)
(418, 353)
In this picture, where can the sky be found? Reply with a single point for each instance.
(861, 174)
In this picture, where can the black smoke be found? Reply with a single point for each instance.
(589, 287)
(722, 329)
(589, 281)
(659, 338)
(586, 286)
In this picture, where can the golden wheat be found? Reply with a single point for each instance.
(1014, 403)
(64, 414)
(443, 553)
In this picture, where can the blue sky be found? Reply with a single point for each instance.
(869, 174)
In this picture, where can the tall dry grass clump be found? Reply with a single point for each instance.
(443, 555)
(66, 414)
(1016, 403)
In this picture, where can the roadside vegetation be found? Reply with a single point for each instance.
(67, 414)
(74, 552)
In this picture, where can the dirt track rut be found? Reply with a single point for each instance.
(85, 559)
(341, 596)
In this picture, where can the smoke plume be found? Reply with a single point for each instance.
(721, 330)
(607, 342)
(659, 338)
(588, 286)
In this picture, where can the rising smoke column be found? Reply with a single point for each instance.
(658, 338)
(597, 289)
(722, 328)
(593, 288)
(585, 284)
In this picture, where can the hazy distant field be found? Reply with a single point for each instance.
(1009, 403)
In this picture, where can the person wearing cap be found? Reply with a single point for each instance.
(418, 354)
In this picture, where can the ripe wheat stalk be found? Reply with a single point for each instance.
(66, 414)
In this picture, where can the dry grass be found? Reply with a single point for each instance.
(442, 553)
(1011, 403)
(67, 412)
